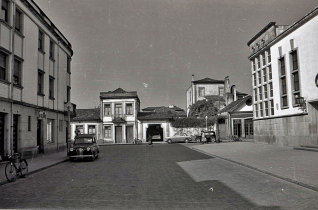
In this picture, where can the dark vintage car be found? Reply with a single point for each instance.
(208, 136)
(84, 146)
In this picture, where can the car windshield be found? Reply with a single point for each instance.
(83, 141)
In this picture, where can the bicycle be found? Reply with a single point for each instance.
(16, 166)
(137, 141)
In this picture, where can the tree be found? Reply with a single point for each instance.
(203, 108)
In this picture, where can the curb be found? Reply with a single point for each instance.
(314, 188)
(37, 170)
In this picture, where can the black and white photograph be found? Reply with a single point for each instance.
(159, 104)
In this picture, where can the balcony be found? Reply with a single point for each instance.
(119, 118)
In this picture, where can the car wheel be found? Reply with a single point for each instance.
(186, 140)
(72, 159)
(169, 141)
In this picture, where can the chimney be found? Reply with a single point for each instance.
(192, 77)
(234, 93)
(227, 85)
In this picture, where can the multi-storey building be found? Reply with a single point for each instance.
(204, 89)
(119, 115)
(285, 91)
(35, 79)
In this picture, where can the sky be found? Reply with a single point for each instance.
(154, 46)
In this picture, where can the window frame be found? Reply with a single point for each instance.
(109, 131)
(294, 58)
(52, 50)
(17, 72)
(4, 69)
(200, 91)
(41, 41)
(131, 110)
(51, 87)
(109, 113)
(89, 129)
(283, 83)
(5, 11)
(41, 82)
(18, 20)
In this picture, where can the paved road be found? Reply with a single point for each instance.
(158, 177)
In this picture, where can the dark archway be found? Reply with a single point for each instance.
(155, 132)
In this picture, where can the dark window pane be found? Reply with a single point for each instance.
(18, 20)
(295, 60)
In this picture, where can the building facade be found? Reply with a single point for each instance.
(203, 89)
(285, 87)
(35, 80)
(87, 121)
(119, 115)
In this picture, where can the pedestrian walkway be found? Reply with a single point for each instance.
(41, 162)
(297, 166)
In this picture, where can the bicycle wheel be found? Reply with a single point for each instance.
(11, 172)
(23, 168)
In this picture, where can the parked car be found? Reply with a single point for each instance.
(208, 136)
(84, 146)
(179, 138)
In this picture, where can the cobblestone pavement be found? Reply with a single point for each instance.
(154, 177)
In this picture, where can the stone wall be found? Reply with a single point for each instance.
(289, 131)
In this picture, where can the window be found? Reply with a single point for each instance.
(68, 94)
(270, 89)
(80, 128)
(118, 110)
(265, 91)
(91, 129)
(68, 65)
(254, 78)
(266, 108)
(268, 56)
(261, 109)
(51, 87)
(269, 72)
(259, 77)
(283, 83)
(129, 109)
(255, 94)
(107, 132)
(260, 96)
(201, 91)
(29, 123)
(17, 72)
(264, 59)
(236, 127)
(264, 75)
(50, 131)
(256, 110)
(5, 10)
(18, 20)
(221, 91)
(41, 41)
(51, 50)
(272, 107)
(3, 66)
(259, 62)
(295, 76)
(107, 110)
(40, 82)
(253, 66)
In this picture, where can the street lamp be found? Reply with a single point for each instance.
(206, 123)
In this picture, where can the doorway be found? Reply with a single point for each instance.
(118, 134)
(237, 128)
(130, 134)
(248, 127)
(15, 133)
(155, 132)
(2, 124)
(39, 136)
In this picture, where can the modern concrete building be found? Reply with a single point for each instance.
(285, 87)
(35, 80)
(204, 89)
(119, 115)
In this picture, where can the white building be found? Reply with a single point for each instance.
(119, 115)
(285, 87)
(35, 80)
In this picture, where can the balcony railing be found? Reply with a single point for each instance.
(119, 118)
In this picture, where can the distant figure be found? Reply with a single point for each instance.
(77, 131)
(150, 140)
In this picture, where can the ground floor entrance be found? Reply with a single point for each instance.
(154, 132)
(39, 136)
(118, 134)
(237, 128)
(248, 128)
(130, 134)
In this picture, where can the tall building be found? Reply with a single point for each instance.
(35, 80)
(285, 87)
(203, 90)
(119, 115)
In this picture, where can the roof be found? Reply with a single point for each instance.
(232, 106)
(153, 109)
(87, 115)
(160, 113)
(290, 29)
(208, 81)
(119, 93)
(260, 32)
(241, 93)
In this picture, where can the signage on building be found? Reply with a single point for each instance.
(41, 114)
